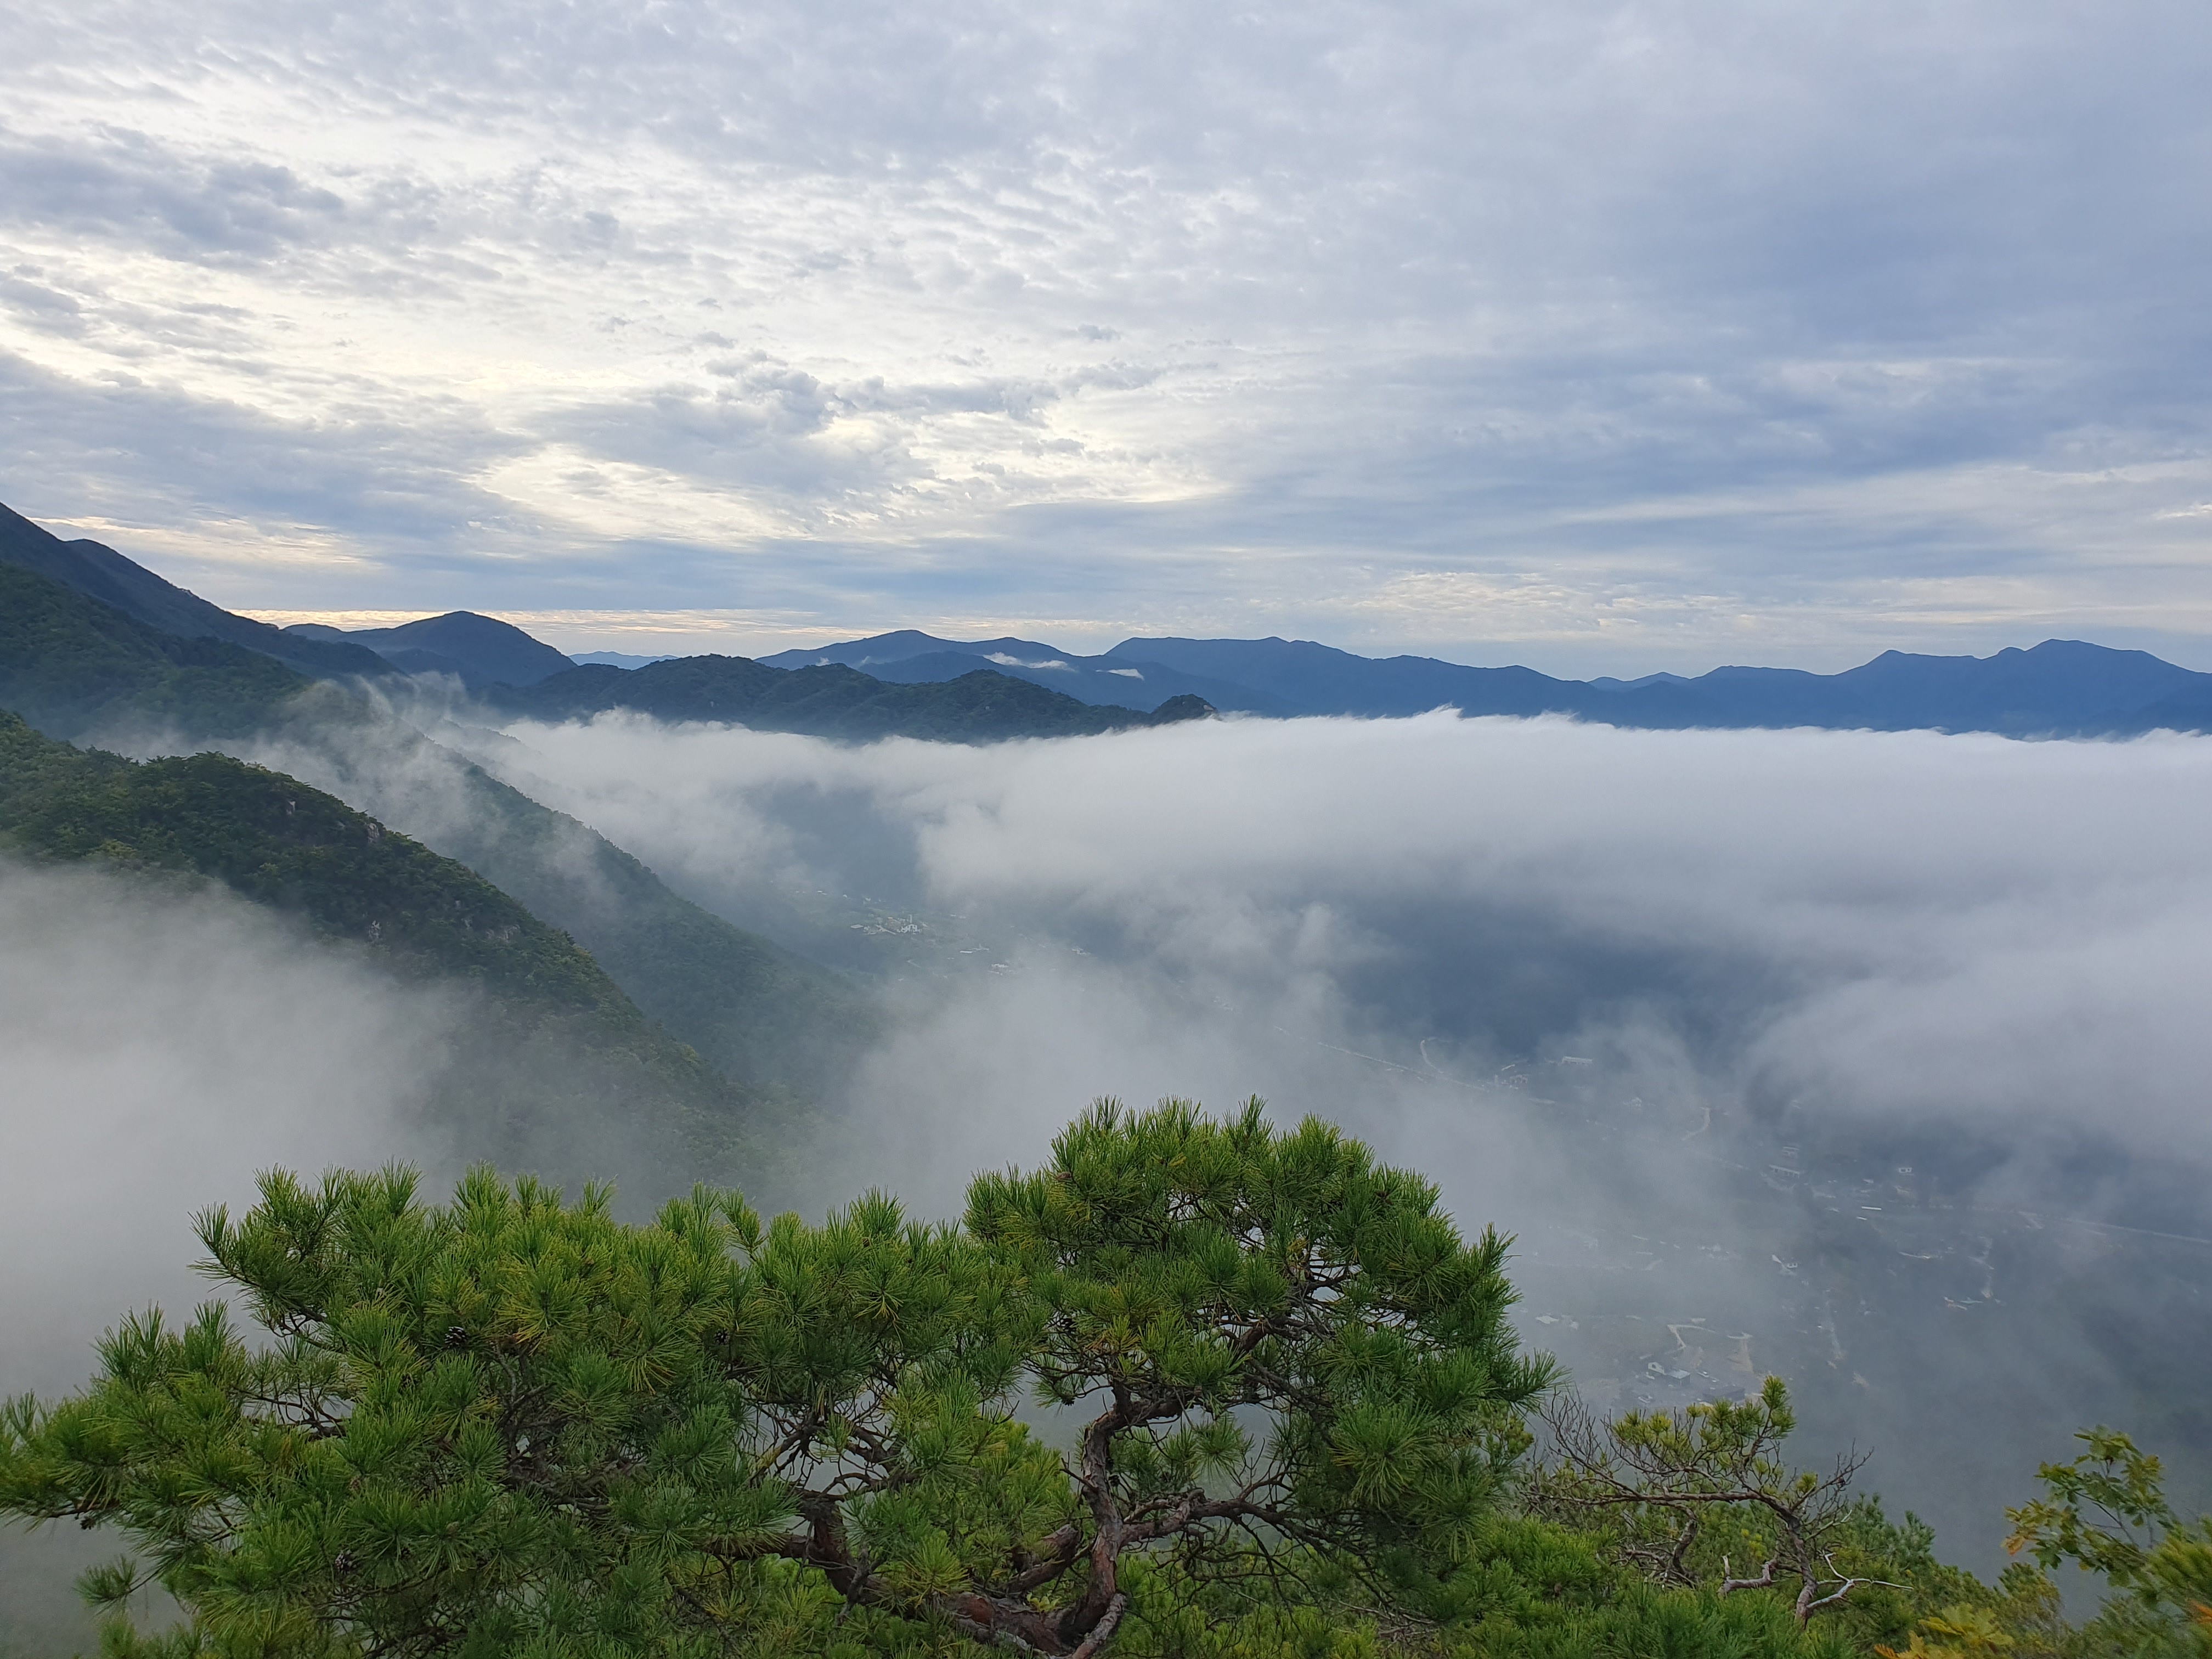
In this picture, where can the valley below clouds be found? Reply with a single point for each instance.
(1873, 1059)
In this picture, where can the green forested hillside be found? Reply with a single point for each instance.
(70, 663)
(546, 1033)
(75, 666)
(1193, 1389)
(830, 702)
(272, 839)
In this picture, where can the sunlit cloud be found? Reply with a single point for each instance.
(1666, 331)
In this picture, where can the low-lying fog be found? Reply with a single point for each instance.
(1876, 1059)
(159, 1046)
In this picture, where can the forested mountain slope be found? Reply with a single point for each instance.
(77, 668)
(100, 573)
(545, 1037)
(70, 663)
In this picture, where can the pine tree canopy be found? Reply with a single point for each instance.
(511, 1425)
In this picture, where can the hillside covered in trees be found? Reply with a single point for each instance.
(547, 1032)
(73, 666)
(104, 639)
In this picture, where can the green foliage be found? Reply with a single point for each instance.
(2106, 1511)
(1274, 1416)
(1199, 1271)
(510, 1425)
(2021, 1620)
(1525, 1590)
(1703, 1496)
(71, 663)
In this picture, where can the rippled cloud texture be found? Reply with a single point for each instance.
(1599, 335)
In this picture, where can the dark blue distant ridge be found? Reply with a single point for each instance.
(2059, 688)
(478, 651)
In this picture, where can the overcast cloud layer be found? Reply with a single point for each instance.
(1598, 336)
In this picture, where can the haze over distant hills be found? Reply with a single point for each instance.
(149, 650)
(2061, 686)
(911, 684)
(477, 650)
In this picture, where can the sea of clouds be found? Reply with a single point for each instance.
(2011, 936)
(1908, 963)
(1881, 964)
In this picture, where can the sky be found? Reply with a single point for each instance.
(1601, 336)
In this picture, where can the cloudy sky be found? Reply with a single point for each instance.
(1596, 336)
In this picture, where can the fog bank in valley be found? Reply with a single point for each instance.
(1877, 1059)
(159, 1045)
(1891, 928)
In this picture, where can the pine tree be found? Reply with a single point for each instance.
(513, 1425)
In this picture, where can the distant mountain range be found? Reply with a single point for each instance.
(916, 684)
(909, 658)
(2059, 688)
(148, 649)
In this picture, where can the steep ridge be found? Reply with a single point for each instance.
(547, 1042)
(100, 573)
(77, 668)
